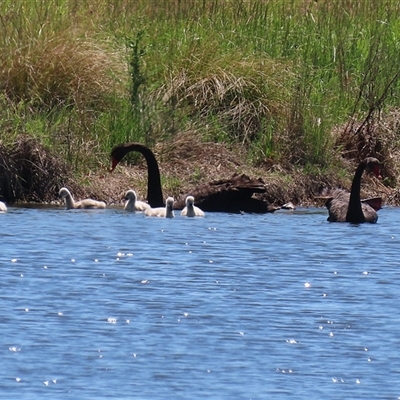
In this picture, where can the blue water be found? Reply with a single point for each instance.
(107, 304)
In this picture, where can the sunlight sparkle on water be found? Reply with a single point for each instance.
(14, 349)
(337, 380)
(131, 307)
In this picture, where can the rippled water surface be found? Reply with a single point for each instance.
(106, 304)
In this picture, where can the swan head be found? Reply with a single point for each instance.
(130, 195)
(64, 192)
(117, 154)
(373, 165)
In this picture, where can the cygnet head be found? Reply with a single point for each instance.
(169, 203)
(189, 201)
(130, 195)
(169, 208)
(64, 192)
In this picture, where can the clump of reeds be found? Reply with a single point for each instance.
(10, 186)
(378, 137)
(30, 172)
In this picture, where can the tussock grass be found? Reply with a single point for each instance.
(31, 173)
(239, 95)
(60, 71)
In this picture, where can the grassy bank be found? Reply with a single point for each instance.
(298, 85)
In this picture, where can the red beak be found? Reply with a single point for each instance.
(377, 171)
(114, 164)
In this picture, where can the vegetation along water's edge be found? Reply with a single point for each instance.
(295, 93)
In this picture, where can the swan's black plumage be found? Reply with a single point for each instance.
(232, 195)
(348, 207)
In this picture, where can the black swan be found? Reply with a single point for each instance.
(232, 195)
(132, 204)
(164, 212)
(87, 203)
(348, 207)
(190, 209)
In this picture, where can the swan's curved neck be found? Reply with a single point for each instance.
(154, 190)
(169, 211)
(69, 201)
(354, 211)
(130, 204)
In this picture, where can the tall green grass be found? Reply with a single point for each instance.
(274, 75)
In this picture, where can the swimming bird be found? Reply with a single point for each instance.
(83, 204)
(164, 212)
(132, 204)
(190, 209)
(3, 206)
(348, 207)
(233, 195)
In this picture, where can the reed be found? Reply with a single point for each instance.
(276, 76)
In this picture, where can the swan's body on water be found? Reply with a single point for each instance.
(190, 209)
(82, 204)
(348, 207)
(164, 212)
(132, 204)
(3, 207)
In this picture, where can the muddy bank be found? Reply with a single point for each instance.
(29, 172)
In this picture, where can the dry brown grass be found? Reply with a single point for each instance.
(379, 138)
(31, 173)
